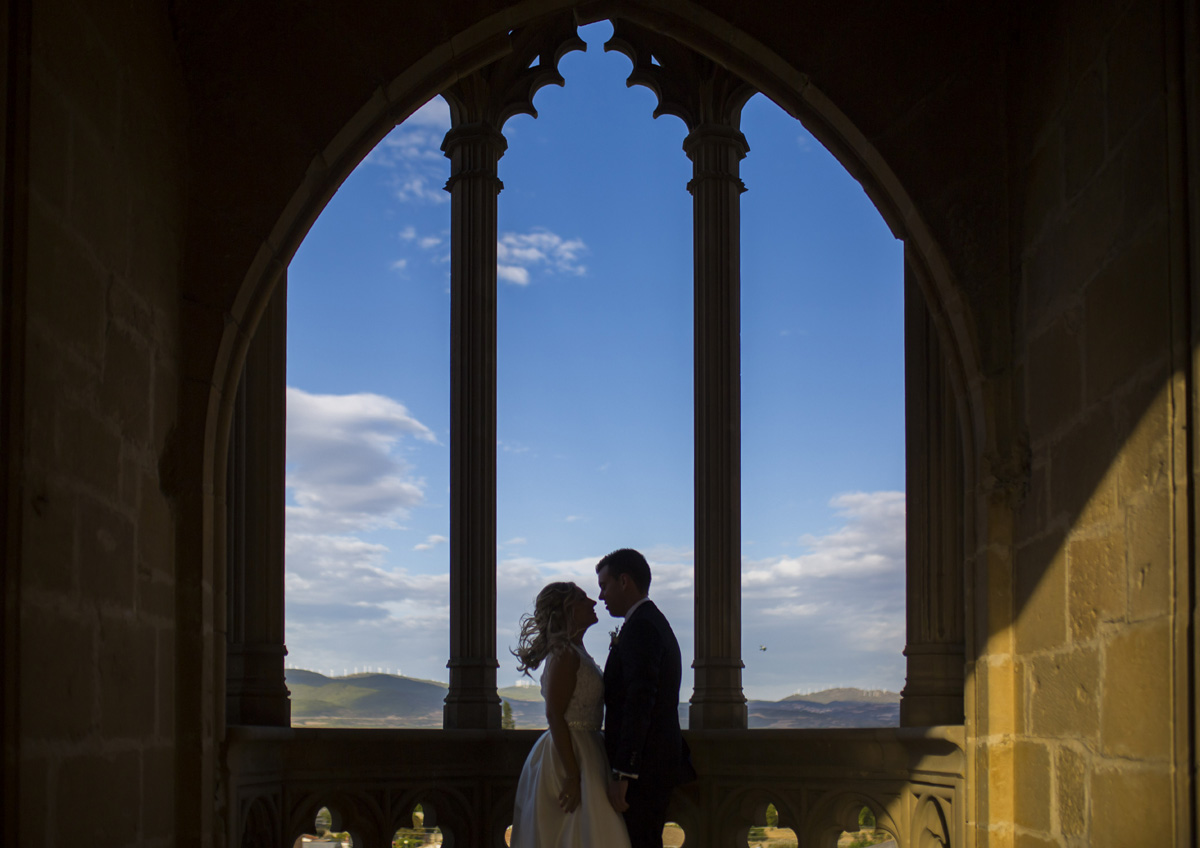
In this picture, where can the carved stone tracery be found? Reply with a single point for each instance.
(688, 85)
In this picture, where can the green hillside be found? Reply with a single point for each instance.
(360, 699)
(387, 700)
(521, 693)
(848, 694)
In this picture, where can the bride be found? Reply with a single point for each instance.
(562, 796)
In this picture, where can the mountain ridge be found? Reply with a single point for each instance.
(387, 700)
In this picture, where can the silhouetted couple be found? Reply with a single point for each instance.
(581, 788)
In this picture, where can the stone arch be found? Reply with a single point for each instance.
(684, 811)
(692, 26)
(464, 52)
(260, 819)
(433, 804)
(748, 808)
(356, 813)
(931, 823)
(838, 811)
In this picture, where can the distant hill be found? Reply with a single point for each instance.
(388, 700)
(364, 700)
(859, 696)
(521, 693)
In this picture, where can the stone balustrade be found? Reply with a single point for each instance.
(276, 780)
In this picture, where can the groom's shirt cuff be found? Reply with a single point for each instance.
(617, 774)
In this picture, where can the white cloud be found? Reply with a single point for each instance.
(793, 610)
(517, 253)
(412, 154)
(435, 113)
(408, 233)
(343, 577)
(513, 274)
(429, 241)
(399, 265)
(834, 615)
(344, 472)
(835, 612)
(430, 542)
(345, 609)
(870, 542)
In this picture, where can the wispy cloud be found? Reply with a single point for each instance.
(518, 253)
(870, 542)
(513, 274)
(412, 155)
(833, 613)
(345, 472)
(430, 542)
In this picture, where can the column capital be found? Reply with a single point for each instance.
(474, 151)
(494, 93)
(715, 151)
(688, 85)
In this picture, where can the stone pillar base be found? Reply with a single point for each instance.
(472, 702)
(933, 690)
(256, 692)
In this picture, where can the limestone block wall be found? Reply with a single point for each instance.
(1040, 143)
(1099, 326)
(95, 671)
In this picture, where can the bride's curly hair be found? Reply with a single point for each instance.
(548, 630)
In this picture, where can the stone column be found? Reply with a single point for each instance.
(933, 690)
(716, 151)
(480, 103)
(255, 692)
(709, 99)
(474, 151)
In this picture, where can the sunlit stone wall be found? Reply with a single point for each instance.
(1040, 147)
(1099, 527)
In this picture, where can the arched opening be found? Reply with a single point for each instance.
(412, 164)
(475, 673)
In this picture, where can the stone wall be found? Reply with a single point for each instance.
(97, 576)
(1100, 341)
(1035, 157)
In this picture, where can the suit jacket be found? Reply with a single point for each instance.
(641, 701)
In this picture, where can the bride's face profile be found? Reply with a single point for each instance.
(582, 610)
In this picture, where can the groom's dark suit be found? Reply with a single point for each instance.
(641, 720)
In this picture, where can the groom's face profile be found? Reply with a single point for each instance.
(618, 593)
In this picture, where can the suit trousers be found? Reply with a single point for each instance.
(647, 811)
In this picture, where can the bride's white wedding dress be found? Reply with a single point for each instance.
(538, 820)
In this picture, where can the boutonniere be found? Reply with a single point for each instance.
(614, 637)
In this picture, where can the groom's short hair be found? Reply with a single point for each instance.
(627, 561)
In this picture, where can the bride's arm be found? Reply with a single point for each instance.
(561, 669)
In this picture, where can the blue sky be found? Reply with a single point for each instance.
(595, 391)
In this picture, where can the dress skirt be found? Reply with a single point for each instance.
(538, 820)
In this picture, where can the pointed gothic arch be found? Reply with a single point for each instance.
(514, 60)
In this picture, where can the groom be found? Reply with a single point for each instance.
(641, 701)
